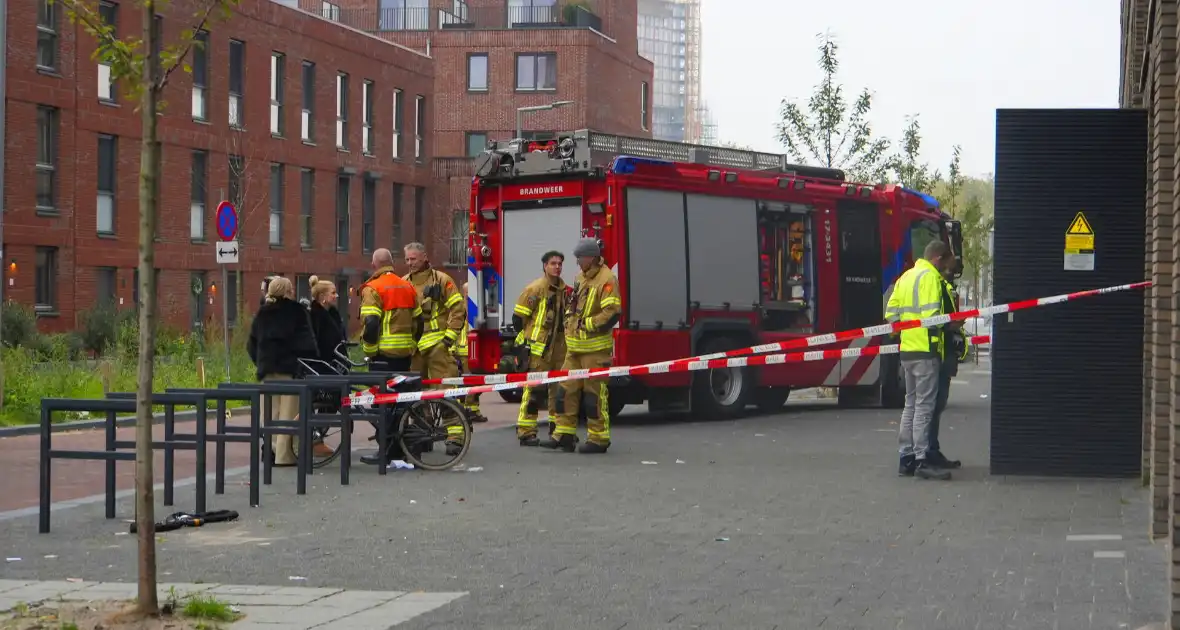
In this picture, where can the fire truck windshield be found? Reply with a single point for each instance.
(922, 232)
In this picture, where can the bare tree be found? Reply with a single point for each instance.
(249, 182)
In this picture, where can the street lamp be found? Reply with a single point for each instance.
(520, 111)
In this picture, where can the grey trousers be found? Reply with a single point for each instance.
(921, 393)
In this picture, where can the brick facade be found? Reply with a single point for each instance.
(264, 27)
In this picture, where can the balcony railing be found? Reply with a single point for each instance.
(471, 18)
(447, 167)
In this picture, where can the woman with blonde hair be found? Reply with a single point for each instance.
(326, 322)
(281, 335)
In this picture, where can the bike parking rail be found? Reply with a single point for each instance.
(381, 417)
(271, 427)
(224, 434)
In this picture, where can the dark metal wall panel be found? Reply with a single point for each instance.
(1067, 378)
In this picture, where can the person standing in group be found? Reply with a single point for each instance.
(443, 316)
(280, 335)
(918, 294)
(328, 328)
(538, 318)
(591, 315)
(390, 310)
(470, 401)
(956, 347)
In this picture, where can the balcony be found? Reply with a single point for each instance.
(447, 167)
(569, 14)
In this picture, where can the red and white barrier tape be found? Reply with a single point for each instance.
(361, 398)
(369, 400)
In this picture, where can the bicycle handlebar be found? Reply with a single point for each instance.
(343, 355)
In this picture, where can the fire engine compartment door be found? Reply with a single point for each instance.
(528, 234)
(722, 252)
(656, 286)
(860, 278)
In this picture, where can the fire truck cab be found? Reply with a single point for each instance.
(714, 249)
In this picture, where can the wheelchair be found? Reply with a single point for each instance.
(416, 426)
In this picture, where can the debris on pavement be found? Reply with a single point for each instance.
(681, 461)
(647, 463)
(400, 464)
(721, 539)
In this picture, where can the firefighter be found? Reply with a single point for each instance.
(441, 322)
(389, 315)
(918, 294)
(956, 350)
(538, 318)
(471, 401)
(591, 314)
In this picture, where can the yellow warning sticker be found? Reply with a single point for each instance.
(1080, 235)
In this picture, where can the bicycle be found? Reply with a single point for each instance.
(417, 425)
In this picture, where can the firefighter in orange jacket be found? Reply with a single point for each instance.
(442, 320)
(538, 318)
(591, 315)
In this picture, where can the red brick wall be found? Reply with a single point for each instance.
(265, 27)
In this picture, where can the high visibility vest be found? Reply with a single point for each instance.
(593, 312)
(540, 306)
(398, 310)
(918, 295)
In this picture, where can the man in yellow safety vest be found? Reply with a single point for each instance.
(918, 294)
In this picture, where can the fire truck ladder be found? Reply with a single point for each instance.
(587, 151)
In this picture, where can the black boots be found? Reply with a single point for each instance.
(565, 443)
(930, 468)
(926, 470)
(940, 460)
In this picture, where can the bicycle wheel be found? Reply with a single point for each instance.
(325, 446)
(425, 422)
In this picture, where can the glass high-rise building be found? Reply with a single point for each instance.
(670, 36)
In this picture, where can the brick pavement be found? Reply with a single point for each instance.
(795, 521)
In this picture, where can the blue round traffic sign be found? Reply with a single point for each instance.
(227, 221)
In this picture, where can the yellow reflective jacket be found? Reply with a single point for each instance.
(460, 347)
(540, 305)
(918, 295)
(443, 311)
(593, 311)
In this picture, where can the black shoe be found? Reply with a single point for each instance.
(905, 468)
(593, 447)
(454, 448)
(374, 460)
(926, 470)
(530, 440)
(940, 460)
(565, 443)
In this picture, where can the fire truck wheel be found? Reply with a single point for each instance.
(771, 399)
(511, 396)
(721, 393)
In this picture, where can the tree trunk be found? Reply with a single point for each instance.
(149, 174)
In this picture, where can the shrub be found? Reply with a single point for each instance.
(18, 324)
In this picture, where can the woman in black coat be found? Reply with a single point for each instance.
(281, 335)
(326, 322)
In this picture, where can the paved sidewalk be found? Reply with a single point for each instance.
(264, 607)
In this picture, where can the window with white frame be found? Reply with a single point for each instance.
(47, 43)
(307, 117)
(108, 13)
(276, 204)
(367, 117)
(536, 72)
(108, 165)
(398, 115)
(342, 111)
(277, 85)
(477, 72)
(330, 11)
(200, 53)
(419, 127)
(237, 83)
(199, 196)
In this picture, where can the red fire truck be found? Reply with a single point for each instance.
(714, 249)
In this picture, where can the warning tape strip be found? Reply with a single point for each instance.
(790, 345)
(369, 400)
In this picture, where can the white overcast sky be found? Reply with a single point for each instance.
(953, 62)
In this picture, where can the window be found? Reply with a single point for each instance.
(47, 123)
(307, 202)
(330, 11)
(108, 13)
(398, 220)
(199, 195)
(477, 72)
(278, 82)
(307, 119)
(536, 72)
(367, 117)
(420, 213)
(369, 215)
(343, 183)
(200, 53)
(237, 83)
(342, 111)
(458, 249)
(105, 285)
(230, 292)
(398, 115)
(46, 35)
(276, 204)
(46, 279)
(108, 165)
(303, 286)
(419, 127)
(477, 141)
(644, 104)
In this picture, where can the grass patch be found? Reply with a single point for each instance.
(207, 608)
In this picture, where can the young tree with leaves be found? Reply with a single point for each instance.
(830, 133)
(907, 168)
(143, 66)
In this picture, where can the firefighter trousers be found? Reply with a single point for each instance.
(438, 362)
(470, 401)
(534, 398)
(590, 394)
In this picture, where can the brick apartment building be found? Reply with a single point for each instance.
(316, 191)
(495, 56)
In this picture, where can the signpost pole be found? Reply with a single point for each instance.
(225, 316)
(226, 252)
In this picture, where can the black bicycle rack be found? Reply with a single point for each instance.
(381, 417)
(224, 434)
(271, 427)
